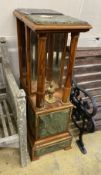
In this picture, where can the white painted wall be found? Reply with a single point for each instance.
(85, 9)
(89, 10)
(7, 20)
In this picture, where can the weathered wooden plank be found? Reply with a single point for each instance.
(13, 145)
(11, 127)
(4, 142)
(87, 73)
(90, 84)
(5, 130)
(93, 89)
(4, 115)
(3, 96)
(87, 60)
(2, 82)
(88, 52)
(86, 66)
(22, 130)
(87, 69)
(17, 99)
(87, 76)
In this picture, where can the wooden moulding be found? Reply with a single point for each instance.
(53, 109)
(49, 108)
(53, 139)
(55, 143)
(33, 26)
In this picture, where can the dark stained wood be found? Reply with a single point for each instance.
(28, 60)
(20, 27)
(49, 67)
(63, 58)
(73, 46)
(21, 50)
(41, 70)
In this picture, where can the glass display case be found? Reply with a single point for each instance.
(46, 59)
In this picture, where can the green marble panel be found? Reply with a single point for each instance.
(55, 19)
(51, 148)
(28, 11)
(53, 123)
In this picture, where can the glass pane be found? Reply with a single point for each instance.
(54, 57)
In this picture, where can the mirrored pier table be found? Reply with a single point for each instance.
(46, 68)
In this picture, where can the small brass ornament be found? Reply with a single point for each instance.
(50, 91)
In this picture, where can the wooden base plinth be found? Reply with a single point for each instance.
(48, 145)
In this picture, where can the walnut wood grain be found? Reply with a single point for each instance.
(73, 46)
(37, 103)
(63, 58)
(28, 60)
(49, 69)
(20, 28)
(41, 70)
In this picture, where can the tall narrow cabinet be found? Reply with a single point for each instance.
(43, 38)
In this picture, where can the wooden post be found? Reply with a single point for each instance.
(67, 87)
(50, 57)
(63, 57)
(22, 130)
(41, 70)
(28, 59)
(21, 45)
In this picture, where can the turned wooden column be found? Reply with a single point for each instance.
(50, 57)
(67, 87)
(21, 45)
(40, 94)
(28, 59)
(63, 57)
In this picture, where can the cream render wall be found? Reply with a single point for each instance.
(89, 10)
(7, 24)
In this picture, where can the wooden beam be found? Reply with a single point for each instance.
(11, 127)
(4, 126)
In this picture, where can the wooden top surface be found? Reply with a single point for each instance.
(49, 107)
(45, 19)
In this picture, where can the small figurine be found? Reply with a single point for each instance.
(49, 97)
